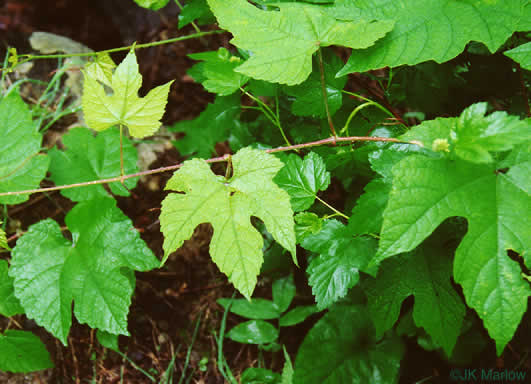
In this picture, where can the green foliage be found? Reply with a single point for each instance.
(262, 309)
(95, 271)
(140, 114)
(440, 216)
(353, 353)
(22, 351)
(216, 71)
(283, 42)
(93, 158)
(22, 166)
(195, 10)
(3, 239)
(522, 55)
(210, 127)
(309, 94)
(302, 179)
(9, 304)
(425, 273)
(253, 332)
(428, 190)
(429, 29)
(341, 256)
(228, 204)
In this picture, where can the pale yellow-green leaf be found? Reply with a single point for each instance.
(101, 68)
(236, 245)
(3, 239)
(140, 114)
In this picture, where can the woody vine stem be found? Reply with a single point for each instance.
(330, 140)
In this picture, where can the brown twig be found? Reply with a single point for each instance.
(330, 140)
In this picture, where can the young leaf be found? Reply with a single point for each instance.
(427, 191)
(211, 127)
(101, 69)
(236, 246)
(307, 223)
(95, 271)
(425, 273)
(140, 114)
(472, 136)
(309, 95)
(341, 257)
(21, 165)
(302, 179)
(9, 304)
(3, 239)
(283, 42)
(255, 309)
(345, 336)
(22, 351)
(429, 29)
(253, 332)
(216, 71)
(92, 158)
(522, 55)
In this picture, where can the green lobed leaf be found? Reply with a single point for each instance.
(283, 292)
(302, 179)
(297, 315)
(341, 257)
(93, 158)
(472, 136)
(140, 114)
(309, 95)
(522, 55)
(345, 336)
(101, 69)
(282, 42)
(95, 271)
(425, 273)
(253, 332)
(216, 71)
(212, 126)
(255, 309)
(22, 351)
(236, 246)
(427, 191)
(429, 29)
(9, 304)
(21, 165)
